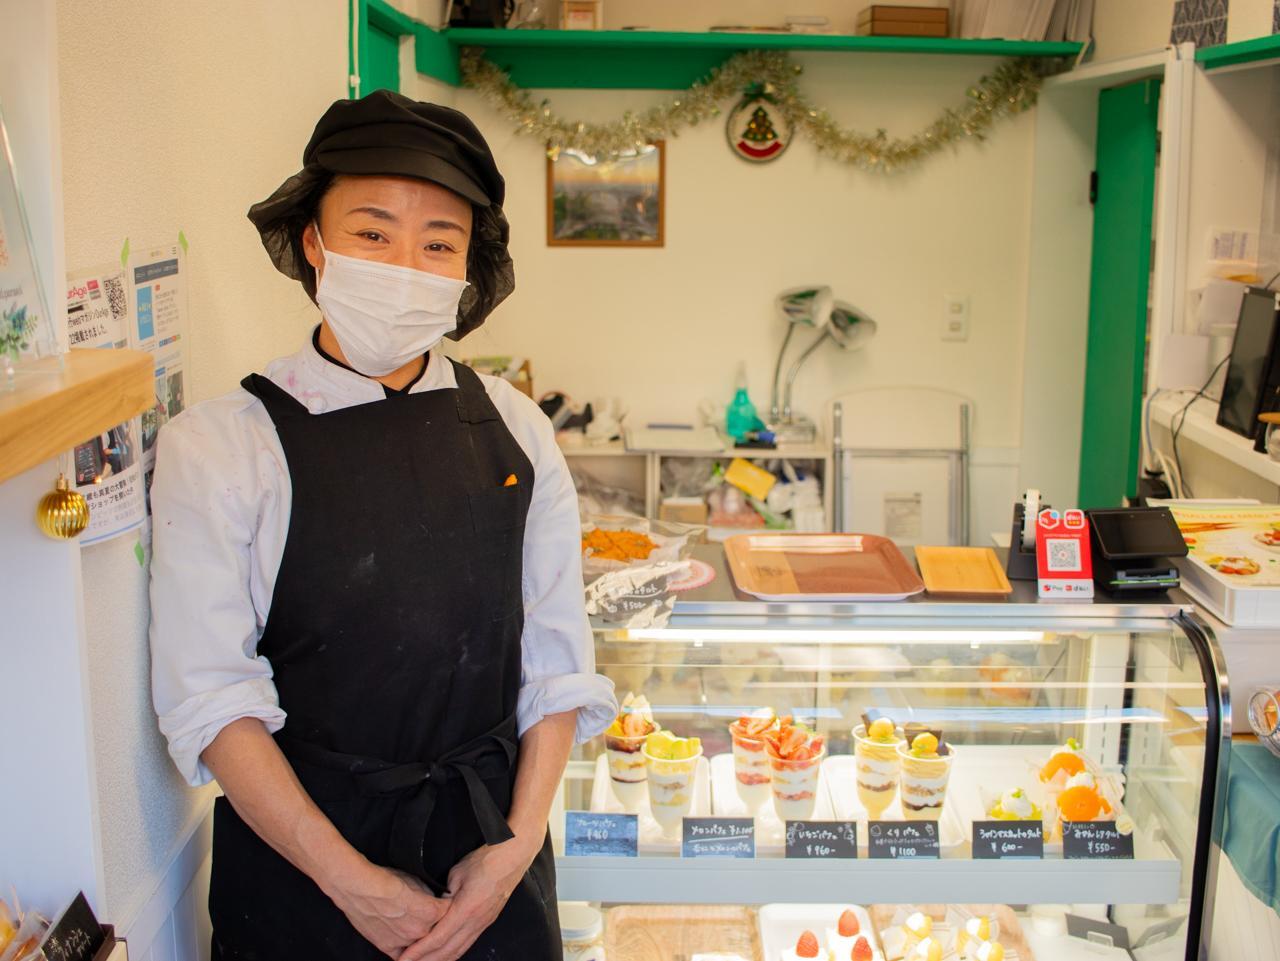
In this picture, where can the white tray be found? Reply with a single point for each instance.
(782, 924)
(771, 833)
(651, 839)
(842, 783)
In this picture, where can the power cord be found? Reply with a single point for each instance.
(1181, 418)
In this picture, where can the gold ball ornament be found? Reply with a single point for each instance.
(62, 513)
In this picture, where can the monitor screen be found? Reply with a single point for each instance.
(1250, 362)
(1146, 532)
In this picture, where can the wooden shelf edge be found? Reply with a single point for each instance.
(52, 410)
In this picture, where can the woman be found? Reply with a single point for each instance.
(367, 618)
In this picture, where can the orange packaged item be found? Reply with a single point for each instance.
(620, 545)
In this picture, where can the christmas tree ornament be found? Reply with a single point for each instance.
(757, 130)
(62, 513)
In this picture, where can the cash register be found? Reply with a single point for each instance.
(1133, 549)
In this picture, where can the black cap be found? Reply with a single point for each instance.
(386, 133)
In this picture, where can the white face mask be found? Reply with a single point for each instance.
(385, 315)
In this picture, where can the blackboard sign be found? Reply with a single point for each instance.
(76, 935)
(719, 838)
(1008, 839)
(822, 839)
(902, 839)
(1095, 839)
(600, 835)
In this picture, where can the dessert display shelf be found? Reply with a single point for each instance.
(794, 758)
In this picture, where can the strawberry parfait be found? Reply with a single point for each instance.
(624, 743)
(795, 761)
(750, 761)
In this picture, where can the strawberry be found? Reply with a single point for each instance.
(848, 924)
(807, 946)
(861, 948)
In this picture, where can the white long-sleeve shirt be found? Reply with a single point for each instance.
(220, 506)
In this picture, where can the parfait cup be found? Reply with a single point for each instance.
(751, 773)
(924, 783)
(671, 789)
(627, 769)
(795, 786)
(877, 768)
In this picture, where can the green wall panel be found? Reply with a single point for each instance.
(1120, 278)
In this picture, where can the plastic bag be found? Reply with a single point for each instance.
(597, 498)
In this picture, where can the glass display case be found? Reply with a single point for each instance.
(1071, 799)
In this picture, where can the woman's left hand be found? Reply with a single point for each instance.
(479, 886)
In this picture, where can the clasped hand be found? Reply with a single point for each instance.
(479, 886)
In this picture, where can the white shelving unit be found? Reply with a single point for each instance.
(641, 471)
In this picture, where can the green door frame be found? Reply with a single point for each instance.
(373, 46)
(1120, 278)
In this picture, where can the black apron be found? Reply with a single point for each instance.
(394, 634)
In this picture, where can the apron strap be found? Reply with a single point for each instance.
(278, 402)
(418, 783)
(474, 405)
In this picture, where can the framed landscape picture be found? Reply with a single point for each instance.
(606, 203)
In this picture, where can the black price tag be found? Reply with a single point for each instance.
(76, 935)
(1098, 840)
(719, 838)
(997, 840)
(902, 839)
(600, 835)
(822, 839)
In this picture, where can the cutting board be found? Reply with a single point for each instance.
(962, 572)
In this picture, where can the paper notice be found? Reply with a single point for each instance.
(903, 516)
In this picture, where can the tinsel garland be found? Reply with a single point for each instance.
(1010, 89)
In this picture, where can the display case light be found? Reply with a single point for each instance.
(876, 635)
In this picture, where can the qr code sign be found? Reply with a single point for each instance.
(115, 297)
(1064, 555)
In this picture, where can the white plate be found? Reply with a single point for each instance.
(771, 839)
(842, 783)
(782, 924)
(651, 838)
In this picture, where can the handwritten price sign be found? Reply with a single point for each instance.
(997, 840)
(902, 839)
(719, 838)
(822, 839)
(600, 835)
(1098, 840)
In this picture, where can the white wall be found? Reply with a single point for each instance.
(1125, 27)
(665, 328)
(178, 117)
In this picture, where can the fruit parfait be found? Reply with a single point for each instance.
(806, 949)
(795, 761)
(926, 768)
(877, 765)
(672, 763)
(624, 744)
(750, 762)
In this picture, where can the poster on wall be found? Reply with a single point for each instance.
(108, 472)
(106, 469)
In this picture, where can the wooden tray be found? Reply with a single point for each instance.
(820, 567)
(962, 572)
(657, 932)
(1011, 936)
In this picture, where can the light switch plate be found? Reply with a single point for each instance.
(955, 317)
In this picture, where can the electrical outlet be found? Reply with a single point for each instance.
(955, 317)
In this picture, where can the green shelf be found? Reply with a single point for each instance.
(1245, 51)
(651, 60)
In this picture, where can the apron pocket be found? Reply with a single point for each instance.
(498, 520)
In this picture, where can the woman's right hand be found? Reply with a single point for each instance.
(389, 908)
